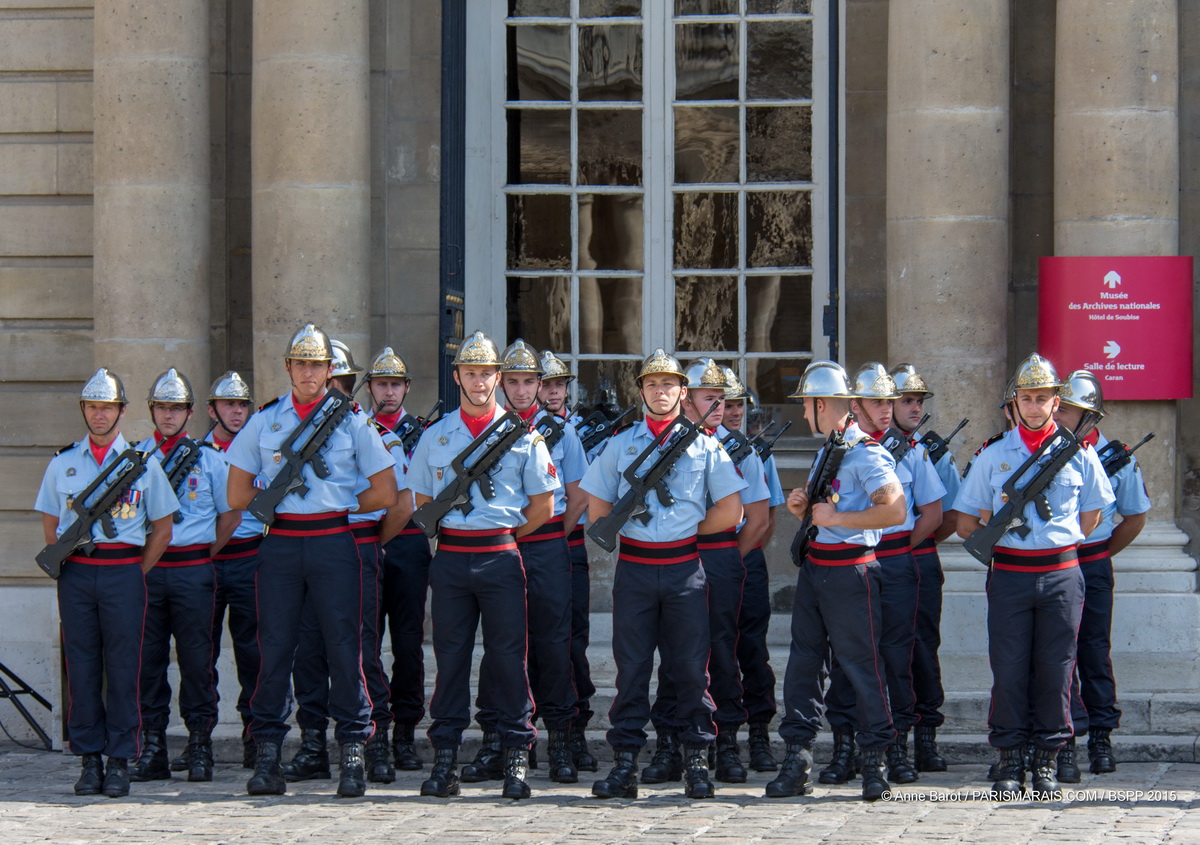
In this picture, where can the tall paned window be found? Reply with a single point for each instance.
(650, 173)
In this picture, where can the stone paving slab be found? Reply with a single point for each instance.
(1140, 803)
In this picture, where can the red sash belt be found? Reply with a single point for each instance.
(839, 554)
(365, 533)
(552, 529)
(675, 551)
(1035, 560)
(239, 548)
(192, 555)
(476, 542)
(720, 540)
(1093, 552)
(410, 530)
(576, 537)
(310, 524)
(894, 544)
(108, 554)
(926, 547)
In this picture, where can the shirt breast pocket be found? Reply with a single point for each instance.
(1063, 492)
(998, 480)
(269, 446)
(687, 485)
(440, 459)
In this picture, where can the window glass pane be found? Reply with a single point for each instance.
(779, 144)
(543, 63)
(779, 60)
(706, 61)
(609, 8)
(539, 8)
(706, 144)
(610, 231)
(778, 313)
(610, 146)
(610, 315)
(609, 383)
(778, 7)
(610, 62)
(706, 230)
(539, 310)
(539, 232)
(774, 379)
(706, 7)
(706, 313)
(541, 140)
(778, 229)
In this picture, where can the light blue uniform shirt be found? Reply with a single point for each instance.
(920, 483)
(865, 468)
(353, 451)
(777, 497)
(525, 470)
(250, 526)
(208, 480)
(395, 447)
(751, 469)
(569, 459)
(74, 468)
(1080, 486)
(948, 473)
(704, 470)
(1130, 491)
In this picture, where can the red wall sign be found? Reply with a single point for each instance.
(1127, 320)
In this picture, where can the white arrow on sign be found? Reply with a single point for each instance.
(1112, 349)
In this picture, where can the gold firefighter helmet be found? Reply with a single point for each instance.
(908, 380)
(230, 386)
(706, 373)
(172, 386)
(873, 382)
(343, 360)
(478, 349)
(735, 388)
(309, 344)
(1010, 392)
(387, 364)
(553, 366)
(520, 357)
(103, 386)
(659, 361)
(1036, 372)
(823, 380)
(1082, 389)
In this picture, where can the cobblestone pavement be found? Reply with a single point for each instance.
(1141, 803)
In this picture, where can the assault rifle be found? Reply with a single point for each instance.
(819, 488)
(670, 446)
(457, 494)
(551, 429)
(302, 449)
(1058, 450)
(763, 446)
(597, 427)
(105, 492)
(1115, 455)
(409, 428)
(737, 446)
(177, 463)
(899, 442)
(939, 446)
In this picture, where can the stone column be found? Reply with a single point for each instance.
(151, 158)
(947, 203)
(310, 178)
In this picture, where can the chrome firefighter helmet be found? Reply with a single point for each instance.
(309, 344)
(478, 349)
(520, 357)
(343, 360)
(172, 386)
(553, 367)
(735, 388)
(823, 380)
(387, 364)
(230, 386)
(908, 380)
(659, 361)
(1082, 389)
(103, 386)
(706, 373)
(873, 382)
(1035, 372)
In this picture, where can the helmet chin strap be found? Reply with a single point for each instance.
(1021, 419)
(467, 396)
(816, 417)
(88, 425)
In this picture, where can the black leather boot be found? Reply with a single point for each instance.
(312, 758)
(874, 784)
(562, 766)
(352, 777)
(667, 763)
(1068, 770)
(761, 758)
(179, 764)
(249, 750)
(152, 763)
(488, 763)
(622, 779)
(379, 759)
(443, 777)
(90, 776)
(1044, 786)
(925, 750)
(792, 779)
(516, 768)
(116, 777)
(404, 749)
(582, 757)
(1010, 774)
(729, 768)
(1100, 751)
(268, 771)
(900, 770)
(842, 767)
(695, 775)
(199, 756)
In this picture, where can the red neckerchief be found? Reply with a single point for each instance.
(306, 409)
(223, 445)
(1034, 439)
(475, 425)
(389, 420)
(711, 432)
(563, 413)
(98, 452)
(529, 412)
(874, 435)
(1092, 437)
(657, 427)
(166, 444)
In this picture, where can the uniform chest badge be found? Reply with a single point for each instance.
(70, 502)
(443, 441)
(277, 457)
(1005, 467)
(1004, 498)
(632, 450)
(439, 474)
(70, 471)
(276, 426)
(193, 484)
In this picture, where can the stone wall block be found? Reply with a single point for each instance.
(178, 29)
(28, 168)
(47, 289)
(947, 52)
(310, 28)
(866, 25)
(54, 42)
(952, 161)
(36, 228)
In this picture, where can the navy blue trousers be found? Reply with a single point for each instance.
(581, 629)
(235, 593)
(180, 604)
(405, 589)
(327, 568)
(1094, 688)
(926, 666)
(101, 609)
(753, 654)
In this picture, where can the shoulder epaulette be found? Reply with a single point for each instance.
(380, 427)
(209, 444)
(356, 408)
(862, 438)
(66, 448)
(623, 427)
(989, 442)
(269, 404)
